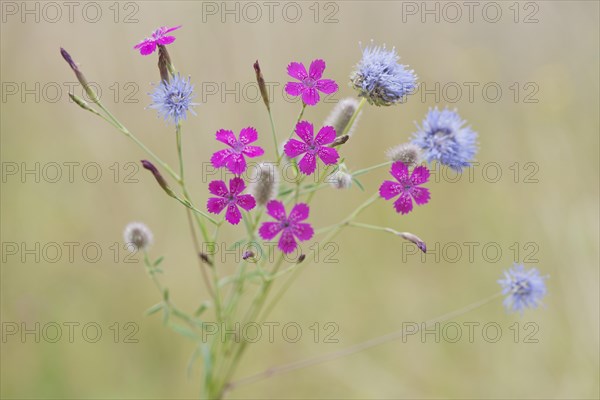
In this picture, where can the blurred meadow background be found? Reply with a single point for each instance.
(541, 134)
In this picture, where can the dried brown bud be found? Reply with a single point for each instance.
(159, 178)
(164, 63)
(340, 141)
(261, 85)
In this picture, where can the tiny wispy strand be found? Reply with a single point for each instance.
(341, 115)
(340, 179)
(408, 153)
(137, 236)
(265, 185)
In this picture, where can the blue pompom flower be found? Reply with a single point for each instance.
(444, 138)
(173, 99)
(523, 288)
(381, 79)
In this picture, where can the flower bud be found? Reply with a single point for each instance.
(159, 178)
(408, 153)
(82, 103)
(415, 239)
(137, 236)
(80, 77)
(301, 258)
(340, 141)
(205, 259)
(341, 115)
(266, 184)
(261, 85)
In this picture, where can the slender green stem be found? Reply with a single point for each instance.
(363, 101)
(293, 129)
(371, 168)
(356, 347)
(273, 132)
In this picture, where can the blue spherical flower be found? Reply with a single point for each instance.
(443, 137)
(380, 79)
(524, 288)
(173, 99)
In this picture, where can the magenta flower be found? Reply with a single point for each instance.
(312, 146)
(289, 226)
(233, 158)
(310, 84)
(159, 36)
(229, 198)
(407, 187)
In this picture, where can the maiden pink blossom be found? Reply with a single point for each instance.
(310, 83)
(233, 158)
(290, 226)
(312, 147)
(229, 199)
(406, 186)
(159, 37)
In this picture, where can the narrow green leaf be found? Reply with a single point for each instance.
(154, 309)
(158, 261)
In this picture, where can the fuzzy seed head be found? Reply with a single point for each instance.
(342, 114)
(408, 153)
(266, 183)
(341, 179)
(137, 236)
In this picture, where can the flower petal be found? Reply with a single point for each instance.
(421, 195)
(248, 135)
(218, 188)
(287, 243)
(327, 86)
(389, 190)
(310, 96)
(299, 213)
(294, 88)
(315, 71)
(236, 186)
(226, 136)
(297, 70)
(219, 159)
(399, 171)
(167, 30)
(164, 40)
(147, 47)
(305, 131)
(294, 148)
(253, 151)
(216, 204)
(268, 230)
(233, 215)
(326, 135)
(276, 210)
(246, 201)
(303, 231)
(328, 155)
(419, 175)
(404, 204)
(308, 164)
(236, 163)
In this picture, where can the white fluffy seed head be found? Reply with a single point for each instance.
(341, 179)
(408, 153)
(137, 236)
(342, 114)
(266, 183)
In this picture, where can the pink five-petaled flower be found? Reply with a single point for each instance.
(312, 146)
(407, 186)
(289, 226)
(159, 36)
(310, 83)
(229, 198)
(233, 158)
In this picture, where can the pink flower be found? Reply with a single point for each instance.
(407, 187)
(312, 146)
(159, 36)
(229, 198)
(290, 227)
(310, 84)
(233, 158)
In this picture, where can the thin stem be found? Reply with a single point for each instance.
(369, 169)
(363, 101)
(354, 348)
(273, 132)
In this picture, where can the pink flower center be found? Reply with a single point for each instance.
(309, 82)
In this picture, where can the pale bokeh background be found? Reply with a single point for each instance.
(371, 291)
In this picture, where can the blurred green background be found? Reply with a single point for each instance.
(549, 209)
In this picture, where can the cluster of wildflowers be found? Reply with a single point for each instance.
(379, 80)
